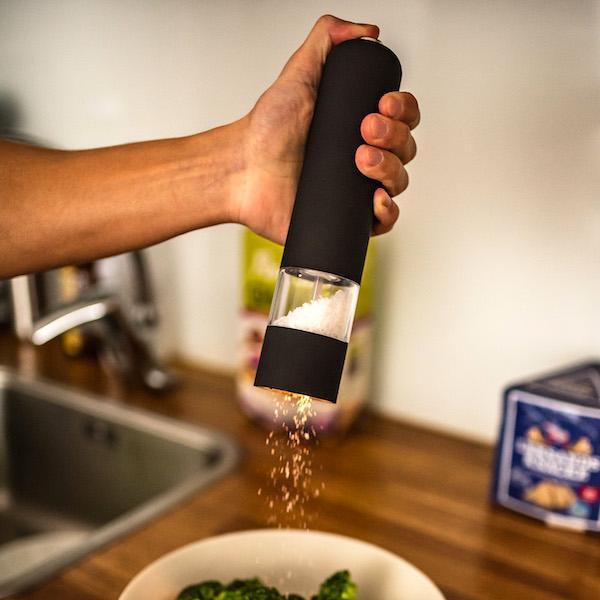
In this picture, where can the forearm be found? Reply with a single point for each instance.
(95, 203)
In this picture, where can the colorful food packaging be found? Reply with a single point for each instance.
(548, 453)
(260, 268)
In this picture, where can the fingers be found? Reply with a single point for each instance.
(389, 143)
(383, 166)
(390, 128)
(400, 106)
(305, 64)
(384, 132)
(340, 31)
(386, 212)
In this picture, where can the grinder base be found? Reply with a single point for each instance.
(301, 362)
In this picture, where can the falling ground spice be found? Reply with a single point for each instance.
(292, 479)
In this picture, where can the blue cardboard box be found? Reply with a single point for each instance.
(548, 453)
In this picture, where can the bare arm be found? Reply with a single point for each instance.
(66, 207)
(60, 207)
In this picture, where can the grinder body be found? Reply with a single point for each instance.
(317, 288)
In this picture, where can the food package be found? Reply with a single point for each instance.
(261, 259)
(548, 453)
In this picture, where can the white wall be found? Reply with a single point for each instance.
(494, 272)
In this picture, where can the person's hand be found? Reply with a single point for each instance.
(278, 125)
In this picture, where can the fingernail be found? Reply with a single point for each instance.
(374, 156)
(387, 201)
(379, 128)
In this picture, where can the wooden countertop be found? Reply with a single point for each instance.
(420, 494)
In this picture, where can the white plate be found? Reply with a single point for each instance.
(291, 560)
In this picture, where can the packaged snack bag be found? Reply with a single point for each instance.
(260, 267)
(548, 452)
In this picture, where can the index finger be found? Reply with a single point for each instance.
(401, 106)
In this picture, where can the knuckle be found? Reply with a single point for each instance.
(412, 99)
(384, 228)
(326, 19)
(407, 99)
(405, 181)
(401, 105)
(399, 182)
(394, 188)
(401, 134)
(412, 152)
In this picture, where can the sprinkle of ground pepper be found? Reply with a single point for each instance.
(291, 478)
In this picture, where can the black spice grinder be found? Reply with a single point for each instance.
(319, 278)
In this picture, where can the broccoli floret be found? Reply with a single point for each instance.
(249, 589)
(208, 590)
(338, 587)
(245, 584)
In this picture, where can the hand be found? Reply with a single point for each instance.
(277, 127)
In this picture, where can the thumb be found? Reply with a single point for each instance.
(306, 63)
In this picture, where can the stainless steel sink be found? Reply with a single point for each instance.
(77, 471)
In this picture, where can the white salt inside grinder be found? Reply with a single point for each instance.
(325, 316)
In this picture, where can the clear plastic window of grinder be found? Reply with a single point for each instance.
(314, 301)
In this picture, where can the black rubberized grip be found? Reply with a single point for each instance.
(298, 361)
(333, 213)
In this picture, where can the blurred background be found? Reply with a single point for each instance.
(494, 270)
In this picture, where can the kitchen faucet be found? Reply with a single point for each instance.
(122, 343)
(120, 329)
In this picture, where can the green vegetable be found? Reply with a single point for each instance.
(209, 590)
(249, 589)
(338, 587)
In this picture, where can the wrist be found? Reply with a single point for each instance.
(220, 167)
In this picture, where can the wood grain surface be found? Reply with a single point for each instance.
(420, 494)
